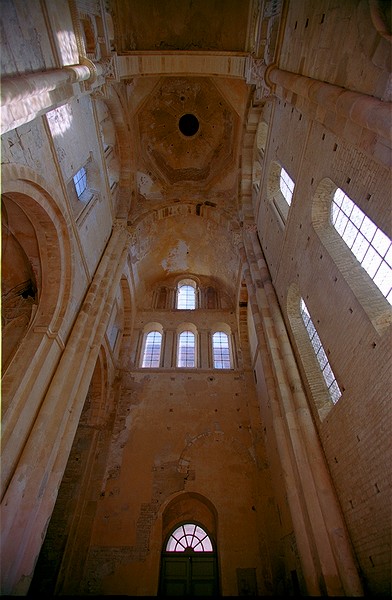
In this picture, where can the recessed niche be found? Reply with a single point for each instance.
(188, 125)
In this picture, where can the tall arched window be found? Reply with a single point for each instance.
(186, 295)
(370, 246)
(280, 189)
(186, 349)
(80, 181)
(221, 350)
(329, 377)
(286, 185)
(152, 349)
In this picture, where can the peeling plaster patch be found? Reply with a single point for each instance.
(147, 187)
(177, 258)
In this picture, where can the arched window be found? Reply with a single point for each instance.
(286, 185)
(189, 537)
(221, 350)
(189, 563)
(152, 349)
(329, 377)
(186, 349)
(280, 189)
(186, 295)
(370, 246)
(80, 181)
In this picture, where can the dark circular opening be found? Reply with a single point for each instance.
(188, 124)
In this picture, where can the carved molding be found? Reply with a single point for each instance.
(255, 74)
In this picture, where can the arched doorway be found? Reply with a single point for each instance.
(189, 562)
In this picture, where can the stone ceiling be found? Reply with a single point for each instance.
(205, 149)
(219, 25)
(193, 167)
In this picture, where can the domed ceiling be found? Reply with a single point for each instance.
(187, 132)
(182, 25)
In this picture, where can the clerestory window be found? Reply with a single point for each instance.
(370, 246)
(329, 377)
(286, 185)
(152, 350)
(280, 190)
(221, 350)
(186, 295)
(186, 349)
(80, 181)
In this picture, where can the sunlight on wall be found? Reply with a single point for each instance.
(67, 47)
(60, 119)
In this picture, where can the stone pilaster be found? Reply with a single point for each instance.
(323, 544)
(29, 499)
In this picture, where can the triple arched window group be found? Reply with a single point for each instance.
(187, 350)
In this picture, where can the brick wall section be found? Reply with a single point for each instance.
(355, 432)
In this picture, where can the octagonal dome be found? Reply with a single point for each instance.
(187, 131)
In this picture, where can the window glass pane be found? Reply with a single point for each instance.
(347, 205)
(152, 350)
(286, 185)
(370, 246)
(360, 246)
(189, 536)
(383, 278)
(186, 349)
(371, 261)
(350, 233)
(340, 222)
(381, 242)
(368, 228)
(339, 196)
(186, 298)
(80, 181)
(388, 257)
(221, 350)
(334, 392)
(321, 355)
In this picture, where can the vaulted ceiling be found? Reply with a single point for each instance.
(218, 25)
(188, 131)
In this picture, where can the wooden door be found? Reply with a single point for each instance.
(189, 574)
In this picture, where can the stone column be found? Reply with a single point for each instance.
(25, 97)
(363, 110)
(30, 497)
(322, 540)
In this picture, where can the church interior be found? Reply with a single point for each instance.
(196, 297)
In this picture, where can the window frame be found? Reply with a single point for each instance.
(333, 388)
(343, 213)
(320, 400)
(285, 183)
(366, 292)
(80, 175)
(188, 283)
(229, 348)
(143, 351)
(186, 330)
(186, 534)
(274, 192)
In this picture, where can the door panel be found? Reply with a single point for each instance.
(189, 575)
